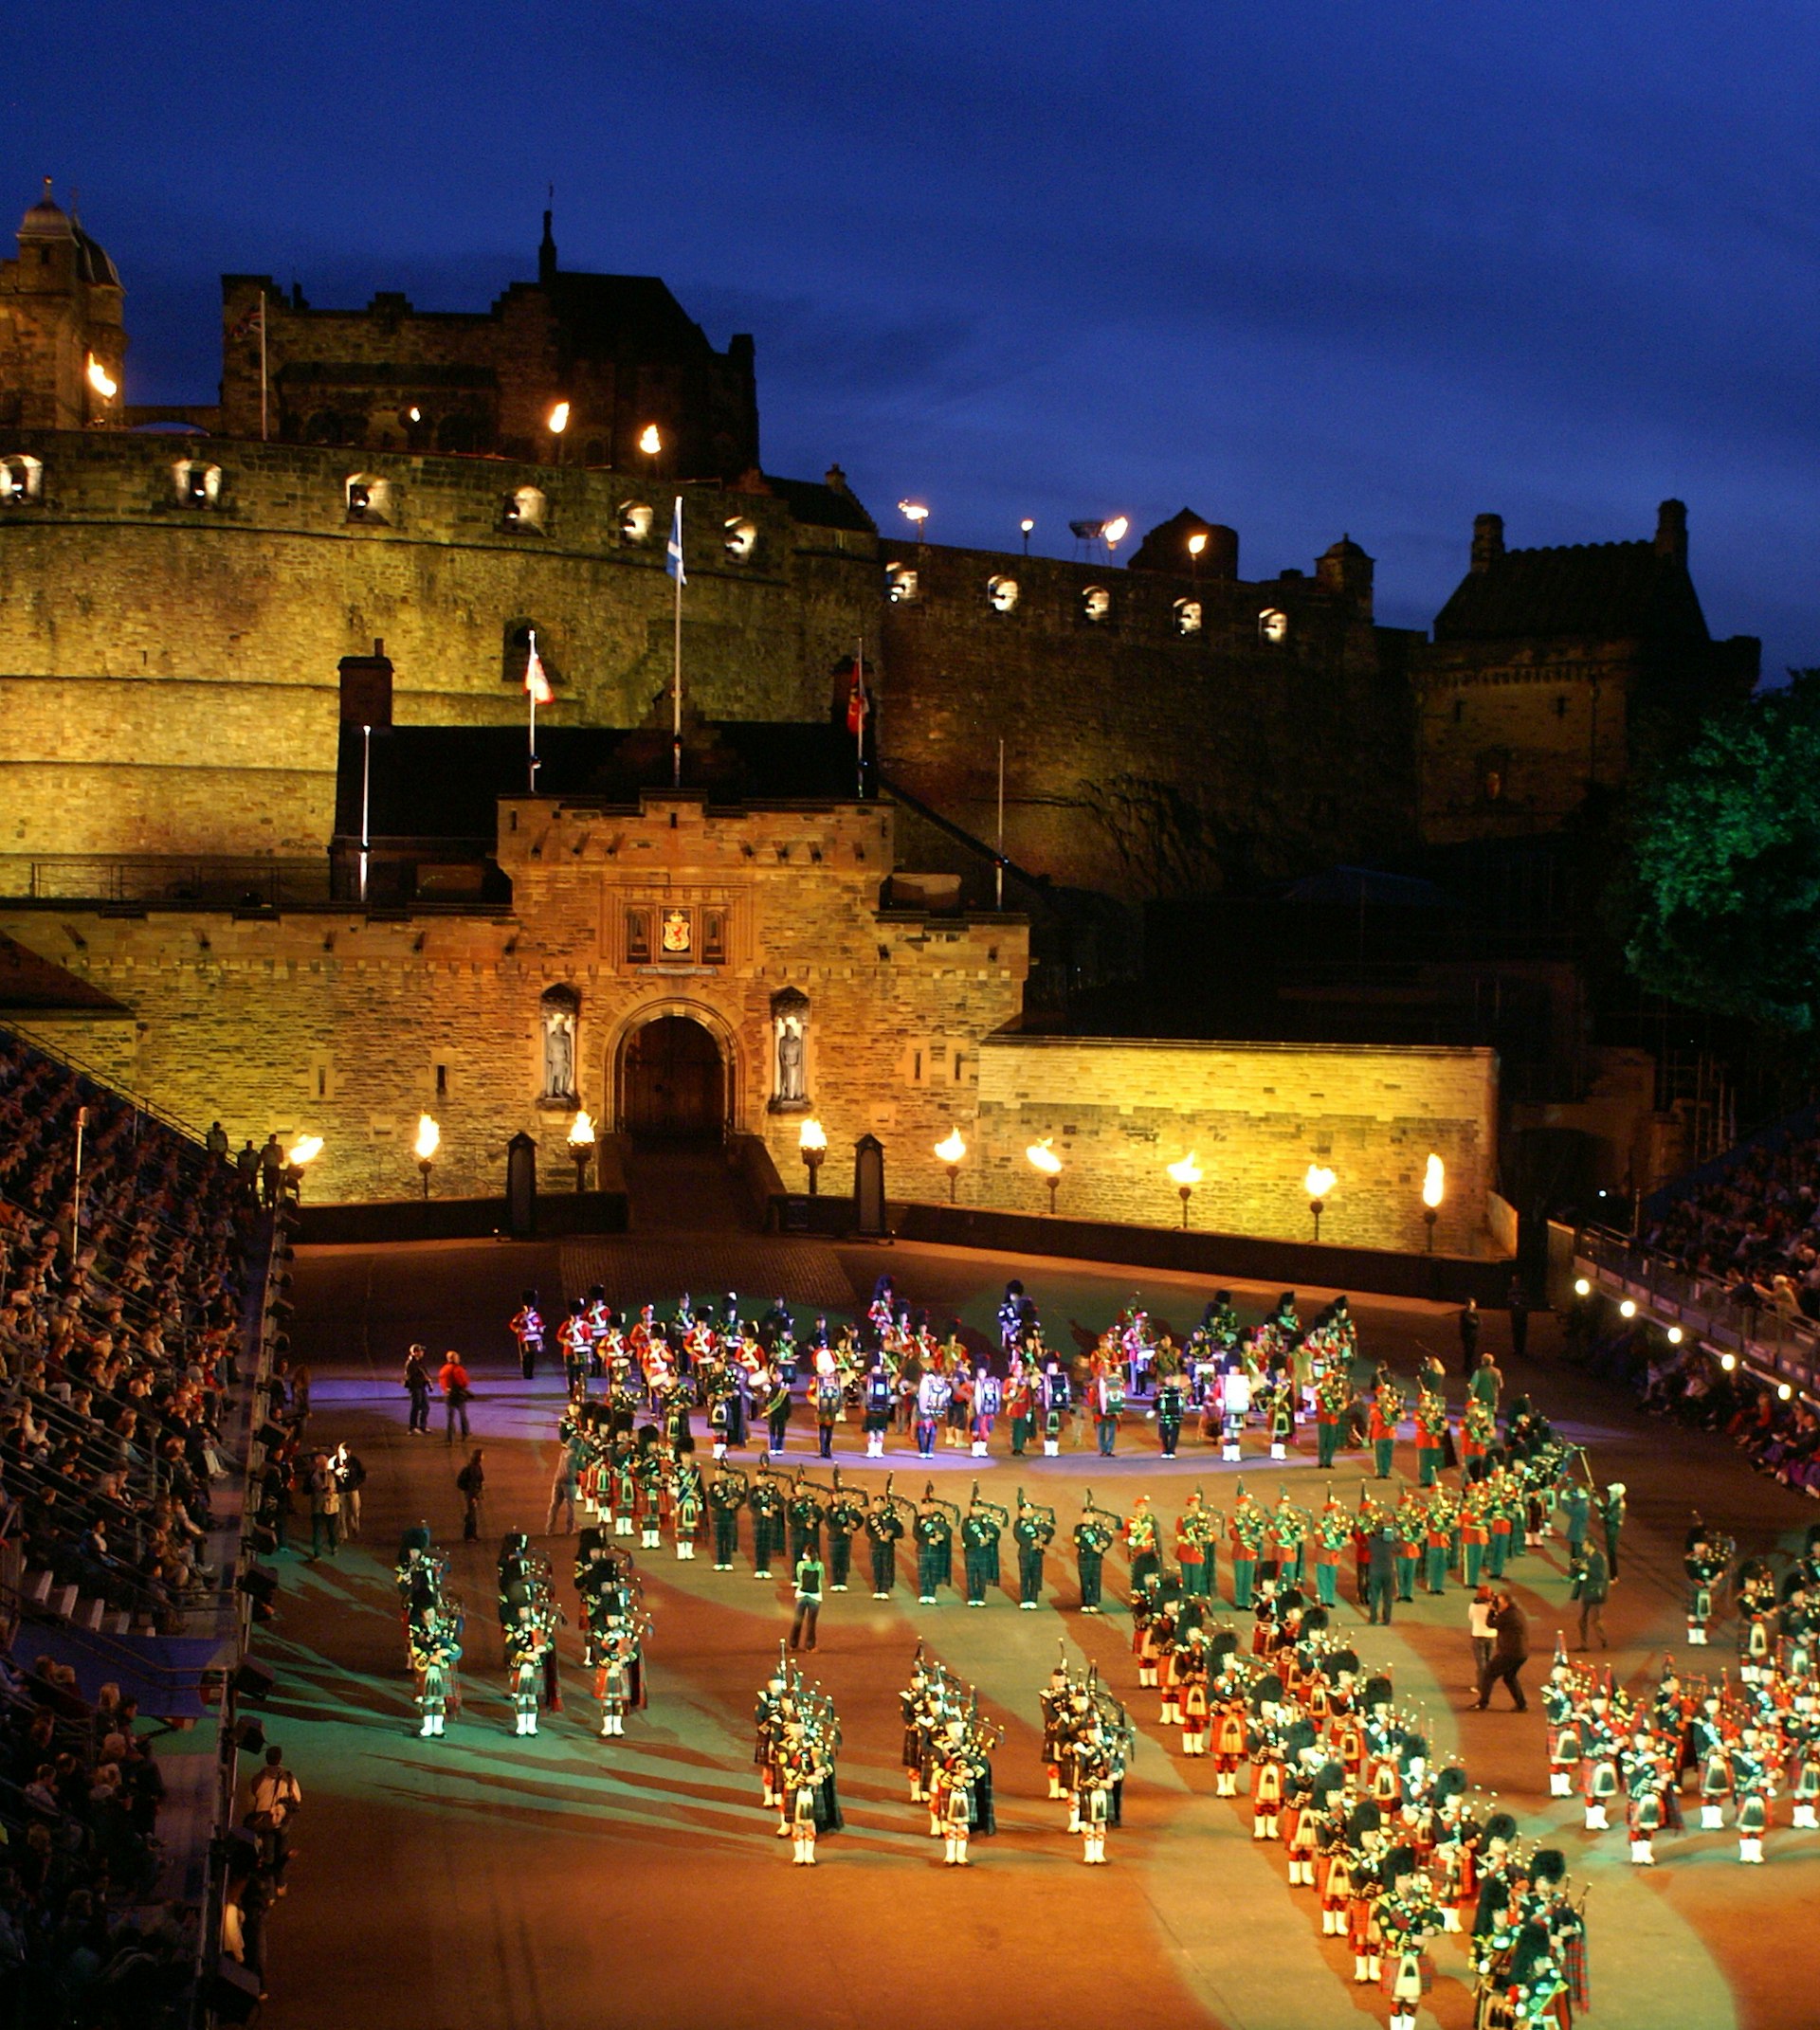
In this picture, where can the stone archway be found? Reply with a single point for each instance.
(672, 1081)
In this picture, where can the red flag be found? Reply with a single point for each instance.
(858, 702)
(535, 681)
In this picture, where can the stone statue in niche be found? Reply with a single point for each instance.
(790, 1030)
(559, 1051)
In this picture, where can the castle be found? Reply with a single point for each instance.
(186, 596)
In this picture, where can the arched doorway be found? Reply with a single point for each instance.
(672, 1084)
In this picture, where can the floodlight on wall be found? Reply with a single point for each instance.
(1317, 1181)
(101, 380)
(558, 420)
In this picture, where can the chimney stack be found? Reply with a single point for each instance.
(1671, 531)
(1487, 540)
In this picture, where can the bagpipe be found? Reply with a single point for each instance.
(931, 1500)
(801, 1480)
(1044, 1514)
(1197, 1524)
(897, 1503)
(977, 1504)
(846, 1504)
(736, 1476)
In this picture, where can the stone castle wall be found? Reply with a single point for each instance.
(1255, 1116)
(1508, 743)
(334, 1023)
(168, 673)
(1137, 758)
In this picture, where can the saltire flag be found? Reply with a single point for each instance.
(859, 701)
(253, 321)
(673, 560)
(535, 681)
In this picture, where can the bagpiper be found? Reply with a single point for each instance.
(884, 1532)
(726, 1496)
(1035, 1532)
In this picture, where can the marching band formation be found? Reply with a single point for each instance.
(1741, 1738)
(1389, 1839)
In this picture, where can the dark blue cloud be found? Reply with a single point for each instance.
(1310, 268)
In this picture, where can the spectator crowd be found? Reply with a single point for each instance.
(124, 1249)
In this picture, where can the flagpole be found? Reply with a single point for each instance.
(859, 730)
(76, 1194)
(265, 435)
(676, 680)
(366, 805)
(999, 870)
(530, 690)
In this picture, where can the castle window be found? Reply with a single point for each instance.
(1560, 707)
(525, 510)
(1494, 775)
(901, 584)
(22, 479)
(1459, 710)
(198, 485)
(442, 1081)
(714, 937)
(368, 498)
(1188, 616)
(1096, 605)
(1273, 626)
(638, 938)
(635, 521)
(741, 539)
(1001, 594)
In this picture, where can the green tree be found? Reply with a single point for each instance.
(1728, 865)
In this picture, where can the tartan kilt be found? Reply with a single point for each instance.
(1417, 1965)
(1574, 1968)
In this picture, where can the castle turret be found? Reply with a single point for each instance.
(1345, 568)
(63, 345)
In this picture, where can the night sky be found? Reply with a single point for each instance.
(1305, 269)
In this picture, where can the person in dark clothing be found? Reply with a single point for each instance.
(419, 1382)
(1469, 1336)
(1509, 1652)
(1518, 1304)
(1591, 1587)
(1381, 1573)
(471, 1480)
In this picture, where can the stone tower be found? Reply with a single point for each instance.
(63, 345)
